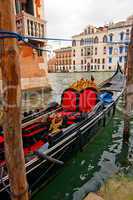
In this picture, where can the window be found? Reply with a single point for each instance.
(111, 37)
(88, 30)
(110, 50)
(95, 67)
(103, 61)
(88, 52)
(95, 60)
(98, 60)
(125, 59)
(96, 40)
(85, 31)
(121, 49)
(120, 59)
(109, 67)
(91, 67)
(105, 39)
(121, 36)
(96, 51)
(82, 52)
(82, 62)
(110, 60)
(74, 43)
(85, 61)
(98, 67)
(74, 67)
(103, 67)
(104, 50)
(126, 49)
(70, 67)
(85, 67)
(73, 52)
(81, 42)
(91, 60)
(127, 34)
(73, 62)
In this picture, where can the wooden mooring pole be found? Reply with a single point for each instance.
(128, 91)
(12, 105)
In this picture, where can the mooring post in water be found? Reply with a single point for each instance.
(128, 91)
(10, 68)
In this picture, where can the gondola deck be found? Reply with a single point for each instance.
(72, 137)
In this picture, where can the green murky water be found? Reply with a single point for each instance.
(105, 147)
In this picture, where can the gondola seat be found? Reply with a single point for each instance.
(70, 117)
(87, 100)
(69, 103)
(69, 100)
(75, 103)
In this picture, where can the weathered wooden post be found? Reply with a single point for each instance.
(129, 90)
(12, 106)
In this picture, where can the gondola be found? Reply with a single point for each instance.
(45, 152)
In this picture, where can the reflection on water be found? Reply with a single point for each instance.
(102, 157)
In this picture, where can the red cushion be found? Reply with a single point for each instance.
(1, 139)
(34, 147)
(31, 126)
(34, 132)
(69, 100)
(87, 100)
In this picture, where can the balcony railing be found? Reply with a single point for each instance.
(29, 25)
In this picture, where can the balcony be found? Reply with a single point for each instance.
(29, 25)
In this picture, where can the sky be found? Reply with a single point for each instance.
(69, 17)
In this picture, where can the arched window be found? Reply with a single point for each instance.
(111, 37)
(121, 36)
(74, 43)
(96, 40)
(81, 42)
(105, 39)
(127, 34)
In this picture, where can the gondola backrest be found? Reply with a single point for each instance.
(87, 100)
(69, 100)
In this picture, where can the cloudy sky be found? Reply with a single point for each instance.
(68, 17)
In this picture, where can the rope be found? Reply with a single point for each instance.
(7, 34)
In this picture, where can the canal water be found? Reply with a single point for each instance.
(104, 153)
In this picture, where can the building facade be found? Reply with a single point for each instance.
(30, 22)
(100, 49)
(63, 60)
(52, 65)
(118, 38)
